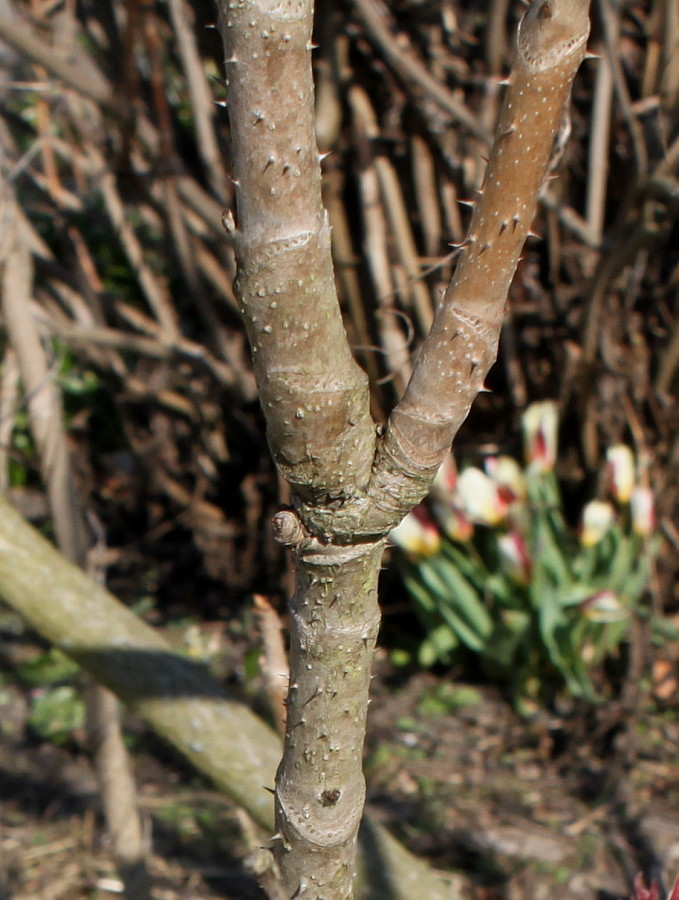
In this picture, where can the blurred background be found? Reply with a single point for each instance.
(121, 342)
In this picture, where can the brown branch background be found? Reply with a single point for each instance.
(118, 157)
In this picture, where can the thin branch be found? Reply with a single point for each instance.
(202, 107)
(462, 343)
(599, 145)
(274, 659)
(313, 393)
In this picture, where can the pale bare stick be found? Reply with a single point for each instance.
(202, 105)
(274, 659)
(599, 148)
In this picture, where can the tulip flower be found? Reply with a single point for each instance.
(597, 519)
(604, 607)
(444, 483)
(642, 505)
(515, 557)
(417, 534)
(621, 472)
(507, 474)
(454, 522)
(540, 429)
(479, 497)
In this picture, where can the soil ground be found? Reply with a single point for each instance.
(557, 806)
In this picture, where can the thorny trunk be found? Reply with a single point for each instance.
(320, 788)
(351, 485)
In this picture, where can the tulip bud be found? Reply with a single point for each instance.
(540, 432)
(604, 607)
(444, 483)
(621, 472)
(508, 475)
(597, 519)
(515, 558)
(417, 534)
(453, 522)
(642, 505)
(479, 497)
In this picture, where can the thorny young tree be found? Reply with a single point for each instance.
(352, 483)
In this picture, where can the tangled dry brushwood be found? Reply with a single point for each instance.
(119, 146)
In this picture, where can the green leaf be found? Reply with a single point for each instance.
(574, 594)
(437, 646)
(56, 713)
(508, 635)
(47, 668)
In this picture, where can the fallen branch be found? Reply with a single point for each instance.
(221, 737)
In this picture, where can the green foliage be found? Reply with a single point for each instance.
(22, 462)
(495, 570)
(56, 707)
(446, 698)
(47, 668)
(56, 712)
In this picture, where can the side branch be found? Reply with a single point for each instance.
(462, 343)
(314, 395)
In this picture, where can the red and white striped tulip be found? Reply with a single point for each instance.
(621, 472)
(417, 535)
(540, 433)
(642, 506)
(597, 519)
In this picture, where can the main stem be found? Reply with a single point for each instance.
(320, 789)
